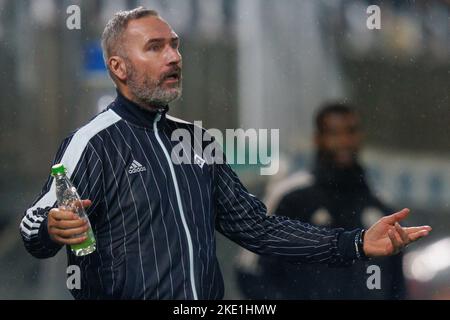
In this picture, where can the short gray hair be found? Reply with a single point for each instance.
(111, 37)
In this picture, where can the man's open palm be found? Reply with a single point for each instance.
(386, 237)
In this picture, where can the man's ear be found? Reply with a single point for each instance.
(118, 67)
(316, 139)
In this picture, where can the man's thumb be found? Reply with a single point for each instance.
(398, 216)
(86, 203)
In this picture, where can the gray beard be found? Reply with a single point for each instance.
(148, 93)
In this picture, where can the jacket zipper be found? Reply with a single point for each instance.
(180, 207)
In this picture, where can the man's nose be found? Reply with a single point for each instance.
(346, 140)
(173, 56)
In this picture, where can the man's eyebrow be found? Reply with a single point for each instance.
(156, 40)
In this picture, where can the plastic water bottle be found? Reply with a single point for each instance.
(68, 199)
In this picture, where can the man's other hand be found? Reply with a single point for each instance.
(386, 237)
(66, 227)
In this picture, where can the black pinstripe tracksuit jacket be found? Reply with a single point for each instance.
(155, 221)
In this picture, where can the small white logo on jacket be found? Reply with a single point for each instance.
(199, 160)
(136, 167)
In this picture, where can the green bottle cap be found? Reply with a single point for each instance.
(58, 169)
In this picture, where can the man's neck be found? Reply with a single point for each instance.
(343, 179)
(127, 94)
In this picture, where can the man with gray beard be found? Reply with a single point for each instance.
(155, 221)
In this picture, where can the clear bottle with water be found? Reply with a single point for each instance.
(68, 199)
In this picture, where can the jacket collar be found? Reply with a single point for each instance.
(340, 180)
(132, 112)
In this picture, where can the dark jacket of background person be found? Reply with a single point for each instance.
(330, 197)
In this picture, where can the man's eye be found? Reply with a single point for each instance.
(155, 47)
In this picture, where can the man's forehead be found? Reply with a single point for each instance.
(151, 27)
(338, 117)
(338, 120)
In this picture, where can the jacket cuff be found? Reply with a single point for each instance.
(44, 237)
(346, 245)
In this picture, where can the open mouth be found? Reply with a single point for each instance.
(173, 76)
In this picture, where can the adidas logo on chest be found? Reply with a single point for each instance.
(136, 167)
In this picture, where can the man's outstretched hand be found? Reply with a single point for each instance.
(387, 237)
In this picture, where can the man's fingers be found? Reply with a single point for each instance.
(60, 214)
(69, 233)
(410, 230)
(67, 214)
(66, 227)
(68, 224)
(397, 217)
(78, 204)
(402, 233)
(69, 241)
(417, 235)
(395, 242)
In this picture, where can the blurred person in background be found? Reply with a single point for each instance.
(336, 193)
(154, 220)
